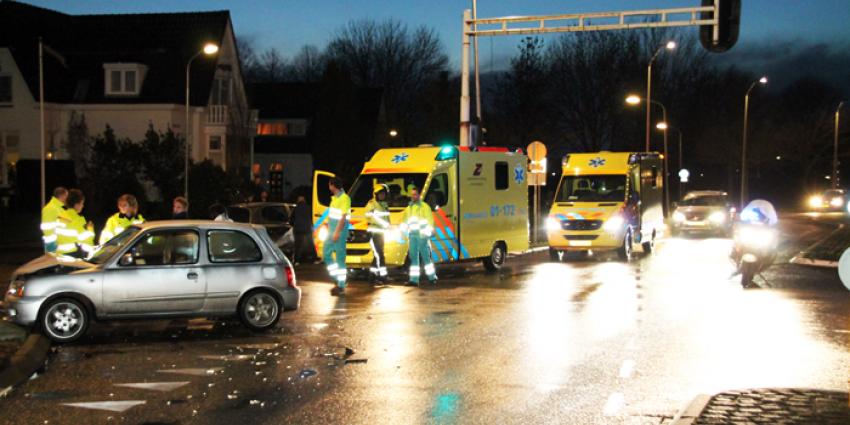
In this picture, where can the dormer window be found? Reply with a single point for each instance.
(123, 79)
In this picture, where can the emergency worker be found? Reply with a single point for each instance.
(333, 250)
(127, 215)
(378, 214)
(49, 217)
(75, 236)
(418, 222)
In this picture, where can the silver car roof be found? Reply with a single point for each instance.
(206, 224)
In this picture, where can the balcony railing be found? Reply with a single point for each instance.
(217, 115)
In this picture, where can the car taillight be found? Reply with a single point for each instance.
(290, 276)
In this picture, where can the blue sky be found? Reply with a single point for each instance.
(288, 24)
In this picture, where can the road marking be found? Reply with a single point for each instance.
(627, 369)
(193, 371)
(112, 406)
(615, 403)
(228, 357)
(154, 386)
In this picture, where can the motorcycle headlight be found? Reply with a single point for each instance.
(756, 236)
(835, 202)
(678, 217)
(815, 201)
(553, 224)
(717, 217)
(323, 233)
(613, 224)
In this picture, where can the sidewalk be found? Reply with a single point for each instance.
(826, 252)
(780, 406)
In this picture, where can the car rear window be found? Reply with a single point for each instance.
(232, 246)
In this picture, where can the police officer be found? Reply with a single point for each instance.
(418, 222)
(49, 216)
(127, 215)
(75, 236)
(333, 251)
(378, 214)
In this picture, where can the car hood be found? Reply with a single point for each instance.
(58, 264)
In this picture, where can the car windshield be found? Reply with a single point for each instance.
(398, 197)
(105, 251)
(833, 193)
(705, 201)
(602, 188)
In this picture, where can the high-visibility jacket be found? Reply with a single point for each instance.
(49, 215)
(72, 232)
(418, 219)
(116, 224)
(340, 207)
(378, 214)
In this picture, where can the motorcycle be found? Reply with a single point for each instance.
(754, 250)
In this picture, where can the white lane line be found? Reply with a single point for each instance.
(615, 403)
(112, 406)
(627, 369)
(154, 386)
(193, 371)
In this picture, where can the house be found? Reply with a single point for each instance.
(127, 71)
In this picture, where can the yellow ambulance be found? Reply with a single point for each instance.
(607, 201)
(479, 198)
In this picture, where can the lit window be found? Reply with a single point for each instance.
(271, 129)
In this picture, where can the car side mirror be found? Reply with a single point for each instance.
(127, 260)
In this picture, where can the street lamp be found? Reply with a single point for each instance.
(393, 133)
(209, 50)
(835, 146)
(762, 80)
(670, 45)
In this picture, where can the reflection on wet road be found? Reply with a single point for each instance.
(596, 341)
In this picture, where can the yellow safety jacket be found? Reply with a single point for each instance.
(72, 232)
(418, 219)
(49, 215)
(378, 214)
(116, 224)
(340, 207)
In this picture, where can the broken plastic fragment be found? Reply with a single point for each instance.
(112, 406)
(306, 373)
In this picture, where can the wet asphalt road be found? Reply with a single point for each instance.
(590, 342)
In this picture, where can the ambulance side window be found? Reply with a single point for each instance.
(438, 191)
(501, 176)
(654, 176)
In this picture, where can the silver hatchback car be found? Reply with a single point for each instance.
(160, 269)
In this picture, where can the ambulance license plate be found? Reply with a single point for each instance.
(580, 243)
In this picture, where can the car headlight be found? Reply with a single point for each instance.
(16, 289)
(323, 233)
(836, 202)
(717, 217)
(756, 236)
(815, 201)
(613, 224)
(553, 224)
(678, 217)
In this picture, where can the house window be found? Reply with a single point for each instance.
(221, 91)
(12, 141)
(5, 89)
(123, 79)
(216, 150)
(271, 129)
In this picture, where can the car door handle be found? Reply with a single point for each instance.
(192, 275)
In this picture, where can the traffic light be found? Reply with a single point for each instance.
(729, 24)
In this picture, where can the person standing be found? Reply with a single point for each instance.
(49, 216)
(378, 214)
(218, 212)
(302, 230)
(75, 235)
(180, 208)
(333, 251)
(418, 221)
(127, 215)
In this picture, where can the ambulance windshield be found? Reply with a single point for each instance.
(398, 197)
(601, 188)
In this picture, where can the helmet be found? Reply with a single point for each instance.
(379, 187)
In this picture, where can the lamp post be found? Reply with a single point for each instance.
(762, 80)
(209, 50)
(835, 146)
(668, 127)
(670, 45)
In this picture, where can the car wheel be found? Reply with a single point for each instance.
(625, 251)
(554, 255)
(259, 310)
(496, 259)
(64, 320)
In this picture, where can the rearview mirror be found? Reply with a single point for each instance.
(126, 260)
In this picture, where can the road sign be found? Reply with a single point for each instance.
(683, 175)
(536, 164)
(536, 151)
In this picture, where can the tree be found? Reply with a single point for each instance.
(522, 96)
(112, 170)
(308, 65)
(78, 143)
(162, 162)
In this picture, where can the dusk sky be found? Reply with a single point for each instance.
(775, 34)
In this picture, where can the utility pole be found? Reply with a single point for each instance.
(835, 146)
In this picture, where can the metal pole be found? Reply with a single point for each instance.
(648, 99)
(188, 131)
(666, 169)
(681, 167)
(477, 76)
(835, 146)
(744, 151)
(464, 82)
(41, 112)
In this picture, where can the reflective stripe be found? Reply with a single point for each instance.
(118, 230)
(85, 235)
(49, 239)
(66, 247)
(382, 271)
(66, 232)
(414, 270)
(429, 269)
(49, 225)
(335, 213)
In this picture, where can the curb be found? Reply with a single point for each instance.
(689, 414)
(27, 360)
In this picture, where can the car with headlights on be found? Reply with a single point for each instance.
(704, 211)
(830, 200)
(156, 270)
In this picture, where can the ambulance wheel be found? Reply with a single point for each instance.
(554, 255)
(496, 259)
(625, 250)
